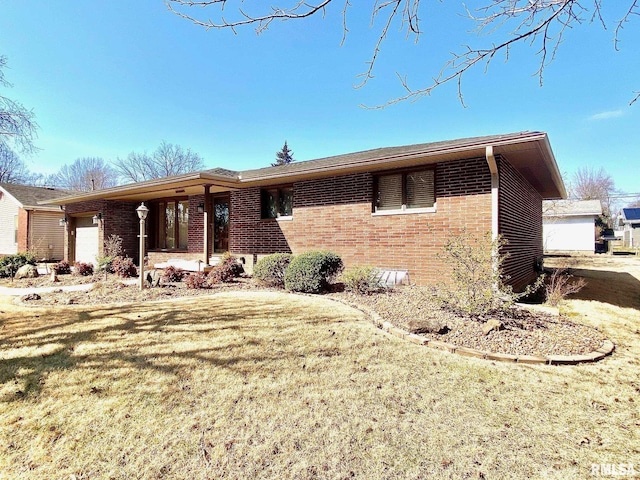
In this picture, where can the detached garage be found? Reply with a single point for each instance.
(569, 225)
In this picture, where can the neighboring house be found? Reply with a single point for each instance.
(393, 208)
(631, 222)
(29, 226)
(570, 225)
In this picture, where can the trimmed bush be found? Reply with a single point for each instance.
(173, 274)
(197, 280)
(236, 267)
(271, 269)
(221, 273)
(363, 280)
(10, 264)
(83, 269)
(62, 268)
(311, 272)
(124, 267)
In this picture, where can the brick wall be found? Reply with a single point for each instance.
(23, 230)
(335, 214)
(247, 231)
(520, 223)
(118, 218)
(196, 226)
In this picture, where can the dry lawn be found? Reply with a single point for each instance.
(253, 384)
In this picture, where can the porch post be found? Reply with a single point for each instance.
(206, 231)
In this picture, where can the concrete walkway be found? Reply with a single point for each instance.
(18, 292)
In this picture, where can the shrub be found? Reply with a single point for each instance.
(124, 267)
(363, 280)
(173, 274)
(197, 280)
(236, 267)
(221, 273)
(62, 268)
(311, 272)
(81, 268)
(105, 264)
(112, 250)
(477, 281)
(559, 285)
(271, 269)
(113, 246)
(10, 264)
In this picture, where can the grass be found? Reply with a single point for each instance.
(269, 385)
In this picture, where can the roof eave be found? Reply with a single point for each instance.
(201, 178)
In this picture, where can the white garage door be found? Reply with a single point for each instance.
(86, 240)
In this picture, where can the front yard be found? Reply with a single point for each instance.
(254, 384)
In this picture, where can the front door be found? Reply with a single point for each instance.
(221, 224)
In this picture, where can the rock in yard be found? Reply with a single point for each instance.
(31, 296)
(420, 326)
(492, 325)
(27, 271)
(153, 278)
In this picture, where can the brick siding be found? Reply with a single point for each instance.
(335, 214)
(23, 230)
(520, 223)
(118, 218)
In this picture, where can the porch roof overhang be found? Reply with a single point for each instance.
(175, 186)
(529, 152)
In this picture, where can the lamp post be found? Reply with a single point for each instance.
(142, 211)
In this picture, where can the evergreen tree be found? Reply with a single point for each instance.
(284, 156)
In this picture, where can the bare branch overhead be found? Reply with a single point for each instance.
(501, 24)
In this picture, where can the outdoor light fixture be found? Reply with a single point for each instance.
(97, 218)
(142, 212)
(63, 222)
(201, 208)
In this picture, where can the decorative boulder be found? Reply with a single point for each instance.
(153, 278)
(26, 271)
(492, 325)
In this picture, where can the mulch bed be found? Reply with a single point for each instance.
(523, 332)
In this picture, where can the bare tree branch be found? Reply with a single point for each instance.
(86, 174)
(18, 128)
(539, 23)
(165, 161)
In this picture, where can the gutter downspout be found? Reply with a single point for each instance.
(495, 183)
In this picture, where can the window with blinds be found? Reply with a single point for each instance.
(403, 191)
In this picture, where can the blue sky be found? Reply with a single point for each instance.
(109, 77)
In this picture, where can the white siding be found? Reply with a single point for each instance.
(8, 212)
(46, 236)
(569, 233)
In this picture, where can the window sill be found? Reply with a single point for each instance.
(404, 211)
(285, 218)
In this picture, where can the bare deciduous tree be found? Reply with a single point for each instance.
(18, 128)
(539, 23)
(591, 184)
(12, 169)
(165, 161)
(86, 174)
